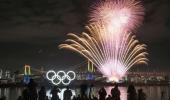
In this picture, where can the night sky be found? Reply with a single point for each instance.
(31, 30)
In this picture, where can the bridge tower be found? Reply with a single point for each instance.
(7, 74)
(90, 70)
(27, 73)
(27, 70)
(1, 73)
(90, 67)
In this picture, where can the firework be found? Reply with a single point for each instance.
(117, 15)
(113, 57)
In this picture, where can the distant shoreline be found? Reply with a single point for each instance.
(77, 83)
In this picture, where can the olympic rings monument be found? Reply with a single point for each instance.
(60, 77)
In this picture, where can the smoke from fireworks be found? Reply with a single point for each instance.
(113, 57)
(117, 15)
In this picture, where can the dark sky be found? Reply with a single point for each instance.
(30, 31)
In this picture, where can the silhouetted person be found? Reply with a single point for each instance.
(79, 97)
(67, 94)
(74, 98)
(115, 92)
(141, 95)
(42, 94)
(132, 95)
(3, 98)
(162, 95)
(91, 91)
(46, 98)
(83, 89)
(54, 93)
(25, 94)
(20, 98)
(102, 94)
(32, 87)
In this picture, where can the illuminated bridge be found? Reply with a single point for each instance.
(86, 71)
(86, 68)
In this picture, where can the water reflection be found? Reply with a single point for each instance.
(152, 92)
(60, 94)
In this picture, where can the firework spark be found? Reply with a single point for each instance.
(118, 15)
(112, 57)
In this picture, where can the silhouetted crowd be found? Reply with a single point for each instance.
(115, 94)
(30, 93)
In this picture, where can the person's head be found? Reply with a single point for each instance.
(103, 88)
(3, 98)
(116, 85)
(91, 85)
(20, 97)
(31, 80)
(55, 87)
(74, 97)
(140, 90)
(162, 93)
(67, 87)
(78, 95)
(131, 88)
(42, 88)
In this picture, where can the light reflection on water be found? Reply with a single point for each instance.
(152, 92)
(59, 94)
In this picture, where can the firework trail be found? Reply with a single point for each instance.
(109, 45)
(118, 16)
(112, 57)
